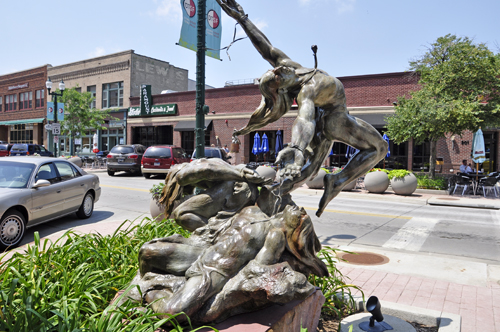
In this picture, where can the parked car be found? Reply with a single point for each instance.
(34, 190)
(5, 149)
(28, 149)
(125, 158)
(214, 152)
(159, 158)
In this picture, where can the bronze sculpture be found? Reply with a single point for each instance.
(322, 118)
(238, 250)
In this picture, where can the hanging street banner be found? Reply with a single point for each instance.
(165, 109)
(146, 99)
(50, 111)
(60, 111)
(213, 27)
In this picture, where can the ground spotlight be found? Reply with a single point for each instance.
(373, 306)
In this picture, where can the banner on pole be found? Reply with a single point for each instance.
(60, 111)
(50, 111)
(146, 99)
(188, 37)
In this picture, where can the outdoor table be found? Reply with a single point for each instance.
(475, 177)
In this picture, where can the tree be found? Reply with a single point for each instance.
(460, 85)
(79, 117)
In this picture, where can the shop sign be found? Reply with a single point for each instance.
(19, 86)
(146, 99)
(116, 124)
(164, 109)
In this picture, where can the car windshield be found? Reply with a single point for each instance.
(209, 153)
(15, 175)
(19, 147)
(3, 147)
(122, 149)
(157, 153)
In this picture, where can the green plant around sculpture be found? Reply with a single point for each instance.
(339, 300)
(398, 173)
(157, 190)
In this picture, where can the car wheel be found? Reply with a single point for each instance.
(147, 175)
(87, 207)
(111, 173)
(12, 229)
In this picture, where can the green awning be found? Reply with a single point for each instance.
(14, 122)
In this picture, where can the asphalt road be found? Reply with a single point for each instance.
(389, 225)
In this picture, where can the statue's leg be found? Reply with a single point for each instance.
(340, 126)
(167, 258)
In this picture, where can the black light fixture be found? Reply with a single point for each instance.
(54, 95)
(373, 306)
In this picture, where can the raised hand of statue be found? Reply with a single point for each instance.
(232, 8)
(293, 160)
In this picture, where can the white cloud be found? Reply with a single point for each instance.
(170, 9)
(98, 51)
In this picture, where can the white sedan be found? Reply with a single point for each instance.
(34, 190)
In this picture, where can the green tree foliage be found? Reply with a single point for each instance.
(79, 117)
(460, 84)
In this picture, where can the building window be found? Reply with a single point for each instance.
(25, 100)
(112, 95)
(421, 155)
(1, 103)
(92, 90)
(10, 102)
(79, 90)
(39, 98)
(21, 133)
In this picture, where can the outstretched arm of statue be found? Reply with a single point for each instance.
(270, 53)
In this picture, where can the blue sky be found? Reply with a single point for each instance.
(354, 37)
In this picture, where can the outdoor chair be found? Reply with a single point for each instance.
(463, 182)
(488, 184)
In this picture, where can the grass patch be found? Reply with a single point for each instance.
(67, 285)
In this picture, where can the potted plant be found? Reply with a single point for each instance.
(156, 209)
(377, 180)
(403, 182)
(317, 181)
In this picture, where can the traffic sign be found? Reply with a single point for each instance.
(48, 127)
(56, 139)
(56, 128)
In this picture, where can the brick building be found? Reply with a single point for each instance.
(113, 79)
(369, 97)
(22, 106)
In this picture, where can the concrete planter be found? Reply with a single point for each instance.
(350, 186)
(317, 181)
(77, 161)
(156, 210)
(404, 186)
(266, 172)
(376, 182)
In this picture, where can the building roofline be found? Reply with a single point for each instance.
(383, 75)
(112, 55)
(23, 70)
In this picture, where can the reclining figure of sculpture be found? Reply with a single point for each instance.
(238, 259)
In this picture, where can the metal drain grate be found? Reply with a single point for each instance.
(364, 258)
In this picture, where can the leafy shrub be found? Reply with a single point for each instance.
(398, 173)
(157, 190)
(378, 170)
(424, 182)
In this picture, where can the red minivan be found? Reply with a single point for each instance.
(5, 149)
(159, 158)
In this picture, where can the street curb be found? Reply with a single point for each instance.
(446, 322)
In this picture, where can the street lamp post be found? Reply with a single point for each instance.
(54, 95)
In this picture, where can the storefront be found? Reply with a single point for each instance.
(23, 131)
(150, 126)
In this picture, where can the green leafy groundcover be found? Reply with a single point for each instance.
(67, 286)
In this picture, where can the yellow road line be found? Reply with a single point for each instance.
(362, 213)
(126, 188)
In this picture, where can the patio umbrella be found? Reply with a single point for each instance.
(386, 138)
(350, 152)
(264, 148)
(478, 150)
(256, 144)
(279, 143)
